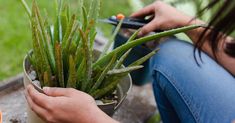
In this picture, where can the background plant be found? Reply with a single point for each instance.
(63, 53)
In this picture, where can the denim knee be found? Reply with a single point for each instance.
(172, 51)
(201, 94)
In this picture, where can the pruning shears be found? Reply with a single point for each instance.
(128, 22)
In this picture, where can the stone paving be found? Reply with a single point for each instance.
(138, 106)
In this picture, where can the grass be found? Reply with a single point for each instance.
(15, 34)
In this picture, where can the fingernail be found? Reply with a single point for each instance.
(46, 89)
(140, 34)
(28, 87)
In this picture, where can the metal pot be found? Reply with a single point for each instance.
(123, 89)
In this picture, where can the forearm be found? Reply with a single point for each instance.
(99, 116)
(173, 18)
(226, 61)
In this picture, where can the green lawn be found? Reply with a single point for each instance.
(15, 35)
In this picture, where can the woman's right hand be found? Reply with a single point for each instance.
(165, 17)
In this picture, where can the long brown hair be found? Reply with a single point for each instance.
(223, 21)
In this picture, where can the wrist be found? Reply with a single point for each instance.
(98, 116)
(187, 21)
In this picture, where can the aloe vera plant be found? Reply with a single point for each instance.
(63, 53)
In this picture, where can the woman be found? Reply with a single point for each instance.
(187, 89)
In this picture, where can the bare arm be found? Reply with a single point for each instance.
(225, 60)
(167, 17)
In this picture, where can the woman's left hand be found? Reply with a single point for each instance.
(63, 105)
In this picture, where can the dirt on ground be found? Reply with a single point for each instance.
(138, 106)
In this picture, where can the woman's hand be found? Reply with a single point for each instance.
(61, 105)
(165, 17)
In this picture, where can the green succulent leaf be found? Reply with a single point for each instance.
(145, 58)
(122, 59)
(101, 92)
(133, 37)
(26, 7)
(72, 73)
(59, 64)
(88, 58)
(123, 48)
(45, 37)
(107, 46)
(124, 70)
(103, 74)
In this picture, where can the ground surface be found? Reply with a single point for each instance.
(138, 106)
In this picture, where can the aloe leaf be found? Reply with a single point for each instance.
(36, 50)
(92, 38)
(122, 59)
(107, 46)
(68, 13)
(80, 6)
(59, 6)
(71, 35)
(45, 39)
(59, 64)
(67, 40)
(26, 7)
(64, 22)
(72, 49)
(85, 19)
(103, 74)
(69, 31)
(133, 36)
(124, 70)
(88, 57)
(79, 56)
(80, 70)
(101, 92)
(65, 17)
(47, 79)
(93, 15)
(72, 73)
(57, 30)
(38, 45)
(124, 56)
(103, 61)
(51, 35)
(145, 58)
(91, 33)
(31, 59)
(94, 10)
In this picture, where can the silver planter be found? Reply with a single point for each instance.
(123, 89)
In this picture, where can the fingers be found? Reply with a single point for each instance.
(150, 27)
(37, 109)
(55, 92)
(38, 98)
(148, 10)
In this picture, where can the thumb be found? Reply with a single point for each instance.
(55, 92)
(150, 27)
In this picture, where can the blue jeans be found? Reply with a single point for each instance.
(187, 93)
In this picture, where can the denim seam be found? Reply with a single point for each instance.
(187, 102)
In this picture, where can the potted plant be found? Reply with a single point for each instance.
(63, 56)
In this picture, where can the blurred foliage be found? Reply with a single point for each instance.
(15, 36)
